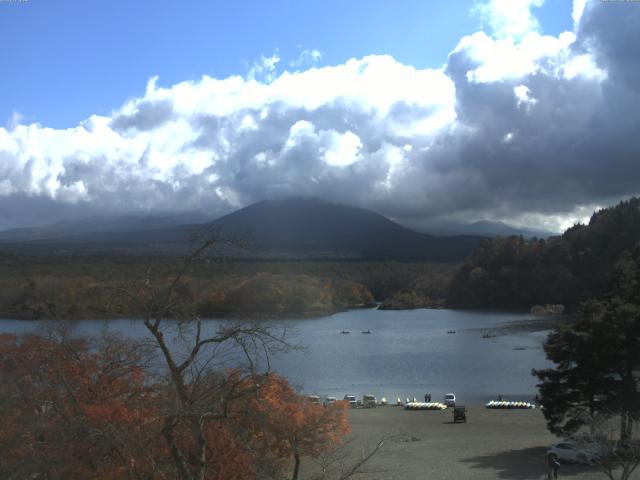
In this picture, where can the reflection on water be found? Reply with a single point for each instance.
(408, 353)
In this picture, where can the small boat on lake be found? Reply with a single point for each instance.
(367, 331)
(344, 332)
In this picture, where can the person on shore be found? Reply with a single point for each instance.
(553, 465)
(426, 398)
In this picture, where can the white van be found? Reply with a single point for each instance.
(450, 400)
(351, 400)
(369, 401)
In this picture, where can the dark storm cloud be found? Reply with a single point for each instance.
(577, 144)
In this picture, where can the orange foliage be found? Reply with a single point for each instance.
(65, 407)
(217, 297)
(78, 409)
(225, 451)
(289, 423)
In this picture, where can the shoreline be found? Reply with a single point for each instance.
(534, 324)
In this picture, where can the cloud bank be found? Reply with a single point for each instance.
(516, 126)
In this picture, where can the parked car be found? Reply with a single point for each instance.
(314, 399)
(351, 400)
(450, 400)
(574, 452)
(330, 401)
(368, 401)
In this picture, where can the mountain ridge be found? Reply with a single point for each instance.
(299, 228)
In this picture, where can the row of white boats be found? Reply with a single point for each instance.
(409, 404)
(507, 404)
(425, 406)
(492, 404)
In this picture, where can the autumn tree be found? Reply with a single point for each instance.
(205, 398)
(74, 408)
(289, 426)
(192, 400)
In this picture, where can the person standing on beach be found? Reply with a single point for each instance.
(553, 465)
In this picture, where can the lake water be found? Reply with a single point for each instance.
(407, 354)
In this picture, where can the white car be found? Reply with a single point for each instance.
(574, 452)
(450, 400)
(351, 400)
(369, 401)
(330, 401)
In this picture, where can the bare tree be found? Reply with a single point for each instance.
(214, 370)
(195, 355)
(343, 463)
(603, 448)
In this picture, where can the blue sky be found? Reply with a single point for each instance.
(66, 60)
(507, 110)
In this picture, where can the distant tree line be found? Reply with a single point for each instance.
(511, 272)
(41, 287)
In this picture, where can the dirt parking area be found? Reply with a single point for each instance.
(492, 444)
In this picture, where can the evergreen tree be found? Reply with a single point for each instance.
(597, 359)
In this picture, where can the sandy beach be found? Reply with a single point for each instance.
(492, 444)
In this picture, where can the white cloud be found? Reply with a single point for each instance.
(16, 119)
(343, 149)
(305, 59)
(515, 124)
(506, 59)
(264, 68)
(521, 93)
(509, 18)
(508, 137)
(585, 66)
(577, 11)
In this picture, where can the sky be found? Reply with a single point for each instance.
(525, 111)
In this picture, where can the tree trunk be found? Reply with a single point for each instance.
(200, 448)
(296, 467)
(624, 425)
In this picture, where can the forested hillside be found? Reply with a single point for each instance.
(77, 286)
(510, 272)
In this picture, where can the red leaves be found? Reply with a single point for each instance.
(73, 408)
(63, 400)
(216, 297)
(287, 422)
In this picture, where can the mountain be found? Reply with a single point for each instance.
(285, 229)
(494, 229)
(314, 228)
(485, 228)
(98, 226)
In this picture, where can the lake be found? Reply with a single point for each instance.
(408, 353)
